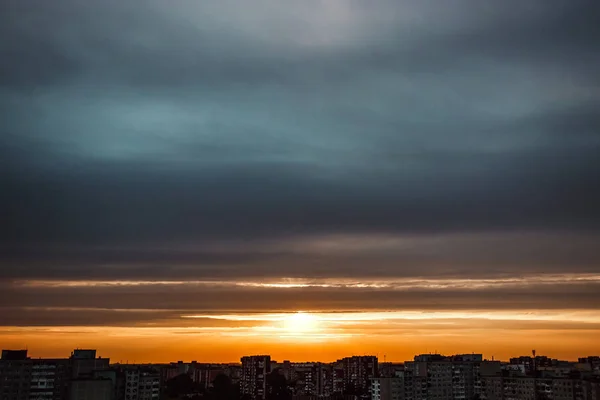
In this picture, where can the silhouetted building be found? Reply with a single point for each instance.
(532, 364)
(142, 383)
(458, 377)
(432, 377)
(117, 379)
(49, 379)
(358, 371)
(14, 355)
(253, 382)
(592, 361)
(515, 382)
(388, 369)
(389, 387)
(34, 379)
(506, 387)
(427, 377)
(308, 379)
(15, 375)
(205, 374)
(91, 389)
(84, 362)
(338, 383)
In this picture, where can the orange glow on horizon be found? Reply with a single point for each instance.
(317, 336)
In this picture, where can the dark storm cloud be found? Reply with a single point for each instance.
(143, 125)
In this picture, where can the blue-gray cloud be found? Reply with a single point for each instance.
(149, 123)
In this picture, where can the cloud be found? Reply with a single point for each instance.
(364, 257)
(575, 292)
(137, 138)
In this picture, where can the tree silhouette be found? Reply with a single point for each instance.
(223, 388)
(181, 385)
(277, 388)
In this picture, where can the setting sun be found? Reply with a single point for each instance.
(301, 323)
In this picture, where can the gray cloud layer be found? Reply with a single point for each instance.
(128, 127)
(185, 299)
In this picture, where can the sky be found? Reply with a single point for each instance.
(314, 179)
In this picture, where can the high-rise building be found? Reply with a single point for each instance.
(91, 389)
(358, 373)
(466, 378)
(84, 362)
(117, 379)
(14, 355)
(142, 383)
(49, 378)
(534, 388)
(43, 378)
(389, 387)
(389, 369)
(254, 376)
(309, 379)
(592, 362)
(338, 384)
(438, 377)
(510, 383)
(24, 378)
(15, 375)
(205, 374)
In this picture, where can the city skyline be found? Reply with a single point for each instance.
(86, 376)
(318, 178)
(103, 361)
